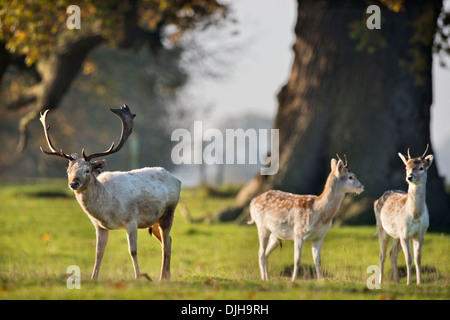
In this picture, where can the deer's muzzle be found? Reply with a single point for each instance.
(75, 185)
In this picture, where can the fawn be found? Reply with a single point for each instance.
(285, 216)
(404, 216)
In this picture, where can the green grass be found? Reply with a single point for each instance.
(44, 230)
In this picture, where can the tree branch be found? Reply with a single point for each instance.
(57, 71)
(24, 99)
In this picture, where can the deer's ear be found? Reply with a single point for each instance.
(339, 167)
(97, 165)
(428, 161)
(403, 158)
(333, 164)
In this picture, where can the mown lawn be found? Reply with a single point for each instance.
(43, 231)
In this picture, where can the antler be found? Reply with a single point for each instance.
(421, 157)
(126, 117)
(345, 157)
(53, 151)
(425, 151)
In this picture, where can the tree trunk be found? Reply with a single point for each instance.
(4, 60)
(339, 99)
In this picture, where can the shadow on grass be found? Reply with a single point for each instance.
(305, 272)
(428, 272)
(44, 193)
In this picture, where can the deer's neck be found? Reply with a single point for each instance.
(328, 203)
(416, 199)
(94, 198)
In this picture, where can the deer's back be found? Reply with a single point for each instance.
(156, 181)
(143, 194)
(283, 213)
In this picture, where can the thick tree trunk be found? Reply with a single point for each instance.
(367, 106)
(4, 59)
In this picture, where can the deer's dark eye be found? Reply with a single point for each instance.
(350, 178)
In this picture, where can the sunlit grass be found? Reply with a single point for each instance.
(44, 230)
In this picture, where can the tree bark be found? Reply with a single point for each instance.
(339, 99)
(4, 60)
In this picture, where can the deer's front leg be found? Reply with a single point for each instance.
(298, 246)
(393, 255)
(408, 258)
(102, 239)
(316, 246)
(417, 245)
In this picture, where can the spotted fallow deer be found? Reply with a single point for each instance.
(285, 216)
(404, 217)
(142, 198)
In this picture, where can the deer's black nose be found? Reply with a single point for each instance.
(74, 185)
(410, 177)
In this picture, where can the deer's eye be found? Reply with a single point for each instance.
(350, 178)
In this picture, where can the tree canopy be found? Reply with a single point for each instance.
(30, 27)
(34, 37)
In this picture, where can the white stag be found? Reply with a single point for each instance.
(404, 217)
(285, 216)
(142, 198)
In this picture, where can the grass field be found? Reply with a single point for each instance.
(44, 230)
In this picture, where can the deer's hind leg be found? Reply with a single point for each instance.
(263, 235)
(383, 237)
(272, 245)
(163, 235)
